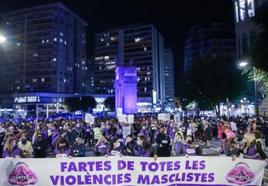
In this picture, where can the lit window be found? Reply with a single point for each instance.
(138, 39)
(102, 39)
(35, 54)
(106, 57)
(18, 88)
(34, 80)
(7, 23)
(18, 44)
(113, 38)
(251, 8)
(65, 42)
(107, 44)
(85, 68)
(54, 59)
(61, 40)
(43, 41)
(47, 40)
(242, 6)
(145, 89)
(64, 80)
(55, 39)
(43, 80)
(61, 34)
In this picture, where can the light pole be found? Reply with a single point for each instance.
(243, 64)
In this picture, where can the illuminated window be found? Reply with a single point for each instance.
(242, 10)
(18, 44)
(61, 40)
(113, 38)
(47, 40)
(236, 11)
(138, 39)
(34, 80)
(61, 34)
(35, 54)
(43, 80)
(251, 8)
(64, 80)
(43, 41)
(55, 39)
(106, 57)
(54, 59)
(107, 44)
(102, 39)
(65, 42)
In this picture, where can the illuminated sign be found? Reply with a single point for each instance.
(27, 99)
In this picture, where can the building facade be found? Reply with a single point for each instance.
(246, 36)
(141, 46)
(217, 38)
(169, 76)
(245, 28)
(45, 51)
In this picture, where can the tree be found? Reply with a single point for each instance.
(110, 103)
(80, 103)
(212, 80)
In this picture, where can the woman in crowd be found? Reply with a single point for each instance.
(63, 148)
(101, 147)
(26, 146)
(143, 148)
(40, 146)
(10, 148)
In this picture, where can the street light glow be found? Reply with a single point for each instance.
(243, 64)
(2, 39)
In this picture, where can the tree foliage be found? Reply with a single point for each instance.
(213, 79)
(80, 103)
(110, 103)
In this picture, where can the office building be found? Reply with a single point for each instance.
(169, 76)
(217, 38)
(45, 50)
(141, 46)
(246, 36)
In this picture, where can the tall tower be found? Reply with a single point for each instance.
(126, 89)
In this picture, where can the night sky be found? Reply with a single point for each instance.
(173, 18)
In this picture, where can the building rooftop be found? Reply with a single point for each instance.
(59, 5)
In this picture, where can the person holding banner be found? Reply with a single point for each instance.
(163, 143)
(25, 146)
(62, 148)
(143, 148)
(10, 148)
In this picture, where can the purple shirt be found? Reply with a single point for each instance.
(15, 152)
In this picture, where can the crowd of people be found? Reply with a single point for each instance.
(146, 137)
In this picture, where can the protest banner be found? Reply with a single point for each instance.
(135, 171)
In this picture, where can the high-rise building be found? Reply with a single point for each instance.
(141, 46)
(246, 36)
(169, 75)
(45, 50)
(213, 39)
(246, 29)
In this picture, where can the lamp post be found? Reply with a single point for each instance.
(243, 64)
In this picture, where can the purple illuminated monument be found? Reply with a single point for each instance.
(126, 89)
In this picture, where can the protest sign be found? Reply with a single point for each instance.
(118, 171)
(89, 118)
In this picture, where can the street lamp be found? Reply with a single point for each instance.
(2, 39)
(244, 64)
